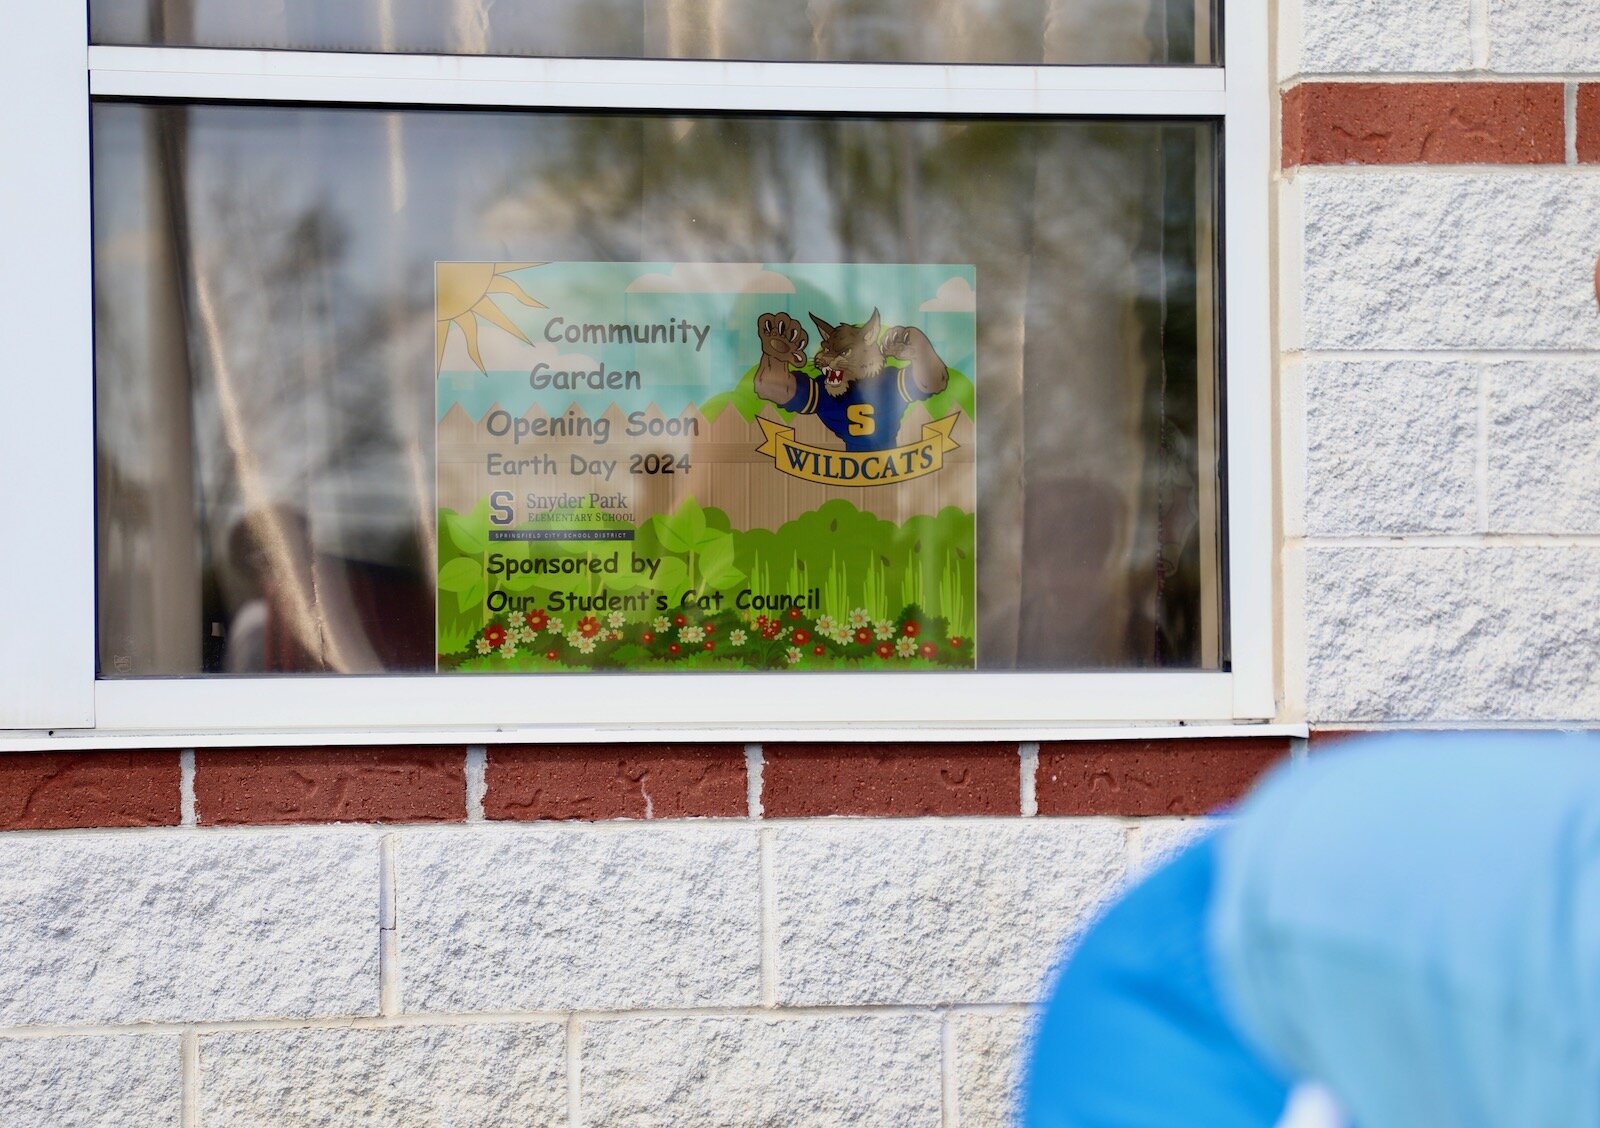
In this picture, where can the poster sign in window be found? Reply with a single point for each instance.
(705, 466)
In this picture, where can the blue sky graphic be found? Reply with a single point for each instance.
(676, 375)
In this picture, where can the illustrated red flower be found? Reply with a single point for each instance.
(864, 636)
(794, 612)
(911, 629)
(762, 621)
(673, 648)
(588, 626)
(928, 650)
(679, 620)
(649, 636)
(494, 634)
(885, 650)
(955, 640)
(711, 628)
(710, 645)
(550, 654)
(801, 636)
(819, 650)
(538, 620)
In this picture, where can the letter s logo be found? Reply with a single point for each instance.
(861, 421)
(500, 502)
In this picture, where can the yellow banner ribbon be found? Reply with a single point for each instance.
(858, 468)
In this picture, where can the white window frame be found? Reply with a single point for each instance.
(49, 694)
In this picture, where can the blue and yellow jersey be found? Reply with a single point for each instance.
(867, 415)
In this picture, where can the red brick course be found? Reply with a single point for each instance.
(616, 781)
(1424, 123)
(1151, 777)
(64, 790)
(525, 782)
(243, 786)
(1589, 123)
(801, 780)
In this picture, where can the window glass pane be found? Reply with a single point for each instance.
(923, 31)
(266, 350)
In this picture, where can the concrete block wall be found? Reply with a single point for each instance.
(614, 935)
(1439, 337)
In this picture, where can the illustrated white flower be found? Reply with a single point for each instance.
(661, 623)
(509, 650)
(691, 633)
(793, 654)
(554, 627)
(526, 634)
(516, 618)
(883, 629)
(616, 619)
(825, 625)
(736, 637)
(859, 618)
(906, 647)
(575, 637)
(841, 635)
(584, 645)
(483, 646)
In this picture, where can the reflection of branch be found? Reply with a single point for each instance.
(402, 383)
(287, 555)
(173, 529)
(173, 21)
(314, 597)
(470, 22)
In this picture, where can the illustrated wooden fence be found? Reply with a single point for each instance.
(725, 469)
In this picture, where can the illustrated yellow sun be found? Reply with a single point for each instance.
(461, 296)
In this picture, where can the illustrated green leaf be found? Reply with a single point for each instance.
(683, 531)
(723, 578)
(462, 534)
(460, 574)
(535, 581)
(716, 553)
(627, 581)
(671, 575)
(470, 596)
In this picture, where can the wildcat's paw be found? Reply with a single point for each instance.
(782, 338)
(900, 339)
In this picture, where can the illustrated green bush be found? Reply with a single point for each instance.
(920, 572)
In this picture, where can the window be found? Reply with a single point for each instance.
(272, 197)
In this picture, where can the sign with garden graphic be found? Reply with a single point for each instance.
(711, 466)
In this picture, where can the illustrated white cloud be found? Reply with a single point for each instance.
(713, 278)
(954, 295)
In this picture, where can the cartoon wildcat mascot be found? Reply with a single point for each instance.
(857, 397)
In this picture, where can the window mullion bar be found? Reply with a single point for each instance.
(47, 626)
(682, 84)
(1247, 253)
(746, 702)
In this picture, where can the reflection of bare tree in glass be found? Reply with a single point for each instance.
(394, 333)
(954, 31)
(1053, 218)
(261, 332)
(148, 547)
(313, 238)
